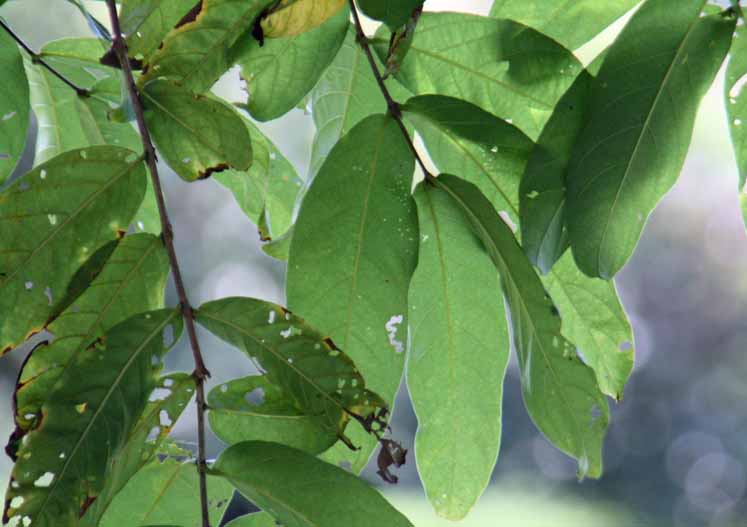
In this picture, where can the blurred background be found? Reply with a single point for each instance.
(676, 451)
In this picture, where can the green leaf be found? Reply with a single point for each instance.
(253, 408)
(73, 205)
(316, 378)
(571, 23)
(394, 13)
(198, 52)
(560, 392)
(147, 22)
(736, 108)
(300, 490)
(350, 266)
(641, 117)
(463, 139)
(132, 281)
(14, 106)
(167, 492)
(196, 135)
(270, 186)
(503, 67)
(281, 72)
(62, 464)
(258, 519)
(293, 17)
(279, 248)
(458, 358)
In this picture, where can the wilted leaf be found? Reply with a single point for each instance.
(300, 490)
(394, 13)
(73, 204)
(458, 358)
(196, 135)
(14, 106)
(293, 17)
(147, 22)
(353, 252)
(641, 116)
(560, 392)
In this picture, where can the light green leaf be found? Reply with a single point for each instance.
(271, 185)
(279, 248)
(167, 492)
(196, 135)
(62, 464)
(300, 490)
(281, 72)
(316, 378)
(350, 266)
(253, 408)
(736, 108)
(560, 392)
(505, 68)
(394, 13)
(641, 117)
(132, 281)
(293, 17)
(73, 204)
(258, 519)
(197, 53)
(570, 22)
(458, 358)
(147, 22)
(14, 106)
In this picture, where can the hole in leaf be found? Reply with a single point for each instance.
(159, 394)
(44, 480)
(256, 397)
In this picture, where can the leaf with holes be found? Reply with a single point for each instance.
(14, 106)
(641, 116)
(73, 204)
(560, 392)
(293, 17)
(300, 490)
(62, 463)
(458, 356)
(353, 252)
(253, 408)
(196, 135)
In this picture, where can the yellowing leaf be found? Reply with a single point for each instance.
(293, 17)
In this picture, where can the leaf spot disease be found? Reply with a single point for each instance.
(9, 116)
(391, 328)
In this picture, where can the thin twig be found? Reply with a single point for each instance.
(200, 373)
(36, 58)
(392, 105)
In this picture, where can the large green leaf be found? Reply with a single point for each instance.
(736, 108)
(167, 493)
(147, 22)
(560, 392)
(317, 380)
(302, 491)
(570, 22)
(394, 13)
(73, 204)
(280, 72)
(458, 358)
(641, 117)
(353, 252)
(14, 106)
(266, 192)
(132, 281)
(198, 52)
(293, 17)
(505, 68)
(196, 135)
(64, 462)
(253, 408)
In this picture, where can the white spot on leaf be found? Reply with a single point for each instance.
(391, 328)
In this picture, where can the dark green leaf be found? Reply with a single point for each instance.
(293, 17)
(503, 67)
(736, 107)
(196, 135)
(147, 22)
(560, 392)
(281, 72)
(641, 117)
(353, 253)
(62, 463)
(300, 490)
(73, 204)
(394, 13)
(458, 358)
(14, 106)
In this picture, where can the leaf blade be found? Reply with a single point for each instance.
(14, 106)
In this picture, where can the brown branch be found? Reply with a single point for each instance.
(200, 373)
(392, 105)
(36, 58)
